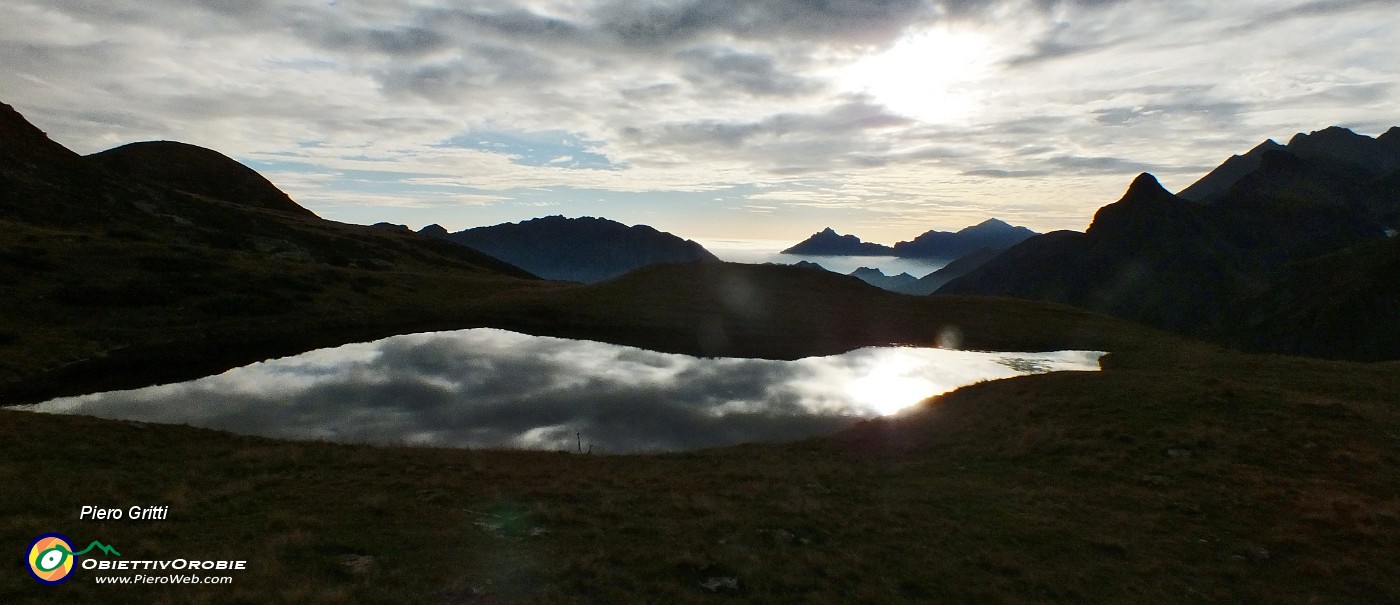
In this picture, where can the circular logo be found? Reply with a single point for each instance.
(51, 558)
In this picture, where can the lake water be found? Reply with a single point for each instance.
(488, 388)
(763, 251)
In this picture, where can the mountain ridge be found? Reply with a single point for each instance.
(1188, 266)
(1334, 145)
(932, 244)
(585, 249)
(828, 242)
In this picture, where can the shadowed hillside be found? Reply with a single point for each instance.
(1233, 259)
(197, 171)
(784, 312)
(160, 261)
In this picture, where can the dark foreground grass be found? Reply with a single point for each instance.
(1216, 477)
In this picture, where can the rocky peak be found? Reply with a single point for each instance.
(1341, 145)
(1144, 186)
(991, 224)
(435, 230)
(1145, 207)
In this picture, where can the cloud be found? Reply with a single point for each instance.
(676, 96)
(1217, 113)
(1097, 164)
(1005, 174)
(651, 25)
(726, 71)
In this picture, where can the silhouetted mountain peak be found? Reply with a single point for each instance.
(877, 278)
(199, 171)
(1145, 185)
(991, 233)
(828, 242)
(435, 230)
(1329, 134)
(1391, 139)
(1228, 173)
(1343, 146)
(991, 224)
(1146, 207)
(585, 249)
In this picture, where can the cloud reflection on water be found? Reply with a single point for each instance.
(488, 388)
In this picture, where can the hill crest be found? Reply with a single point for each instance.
(199, 171)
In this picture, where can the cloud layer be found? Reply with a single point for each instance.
(883, 117)
(487, 388)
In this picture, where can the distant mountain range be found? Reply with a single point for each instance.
(584, 249)
(828, 242)
(945, 245)
(992, 233)
(1253, 247)
(877, 278)
(905, 283)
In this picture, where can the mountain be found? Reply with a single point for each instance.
(197, 171)
(161, 261)
(930, 283)
(1331, 148)
(1188, 267)
(585, 249)
(877, 278)
(1343, 146)
(1345, 301)
(1228, 173)
(991, 233)
(828, 242)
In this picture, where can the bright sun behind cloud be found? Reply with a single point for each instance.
(930, 76)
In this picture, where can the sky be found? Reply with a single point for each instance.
(711, 119)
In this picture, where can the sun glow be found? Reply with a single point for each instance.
(893, 384)
(930, 76)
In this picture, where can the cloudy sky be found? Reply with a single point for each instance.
(708, 118)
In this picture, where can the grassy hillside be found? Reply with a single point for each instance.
(781, 312)
(122, 308)
(163, 261)
(1219, 478)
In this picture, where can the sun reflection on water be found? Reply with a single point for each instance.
(498, 389)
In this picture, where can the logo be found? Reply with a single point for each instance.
(51, 557)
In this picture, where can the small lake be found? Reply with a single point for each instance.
(488, 388)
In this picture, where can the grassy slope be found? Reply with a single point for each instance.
(1181, 473)
(1216, 477)
(101, 309)
(722, 309)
